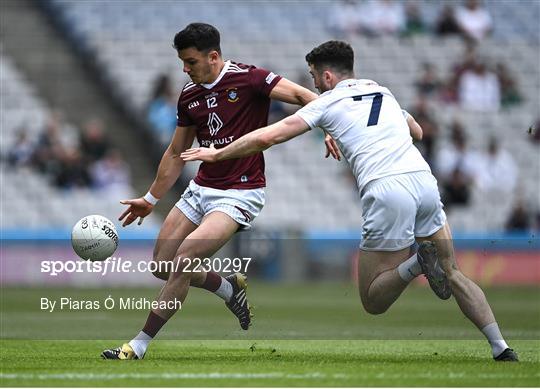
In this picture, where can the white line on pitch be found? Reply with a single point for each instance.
(169, 376)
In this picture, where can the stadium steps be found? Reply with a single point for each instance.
(59, 77)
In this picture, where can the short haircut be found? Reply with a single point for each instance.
(204, 37)
(337, 55)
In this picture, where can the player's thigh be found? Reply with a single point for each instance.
(174, 230)
(445, 247)
(372, 263)
(430, 216)
(389, 211)
(215, 230)
(242, 205)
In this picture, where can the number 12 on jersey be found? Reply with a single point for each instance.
(375, 107)
(211, 102)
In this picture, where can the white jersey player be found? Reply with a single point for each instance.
(400, 199)
(373, 137)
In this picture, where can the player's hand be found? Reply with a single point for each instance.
(331, 148)
(137, 208)
(205, 154)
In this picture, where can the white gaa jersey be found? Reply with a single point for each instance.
(369, 127)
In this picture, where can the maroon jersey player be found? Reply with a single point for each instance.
(233, 105)
(223, 101)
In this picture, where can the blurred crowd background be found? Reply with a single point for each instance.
(89, 94)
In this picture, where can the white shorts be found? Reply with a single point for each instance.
(242, 205)
(398, 208)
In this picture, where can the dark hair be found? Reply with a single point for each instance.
(202, 36)
(337, 55)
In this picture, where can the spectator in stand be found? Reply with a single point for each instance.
(384, 17)
(470, 59)
(111, 174)
(519, 218)
(509, 91)
(73, 171)
(497, 170)
(457, 189)
(20, 154)
(458, 154)
(424, 118)
(449, 92)
(93, 143)
(428, 84)
(446, 23)
(474, 21)
(456, 169)
(161, 112)
(345, 19)
(50, 147)
(479, 89)
(414, 23)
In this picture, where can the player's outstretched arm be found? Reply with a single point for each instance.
(414, 128)
(168, 172)
(292, 93)
(251, 143)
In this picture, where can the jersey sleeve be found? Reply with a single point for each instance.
(405, 114)
(182, 117)
(262, 80)
(313, 112)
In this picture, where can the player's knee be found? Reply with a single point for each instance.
(158, 267)
(182, 265)
(157, 255)
(372, 307)
(162, 275)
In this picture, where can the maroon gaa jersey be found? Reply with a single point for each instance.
(233, 105)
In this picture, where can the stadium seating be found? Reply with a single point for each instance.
(29, 201)
(133, 46)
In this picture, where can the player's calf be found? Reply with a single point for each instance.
(380, 280)
(432, 269)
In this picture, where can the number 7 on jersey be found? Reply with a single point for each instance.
(375, 107)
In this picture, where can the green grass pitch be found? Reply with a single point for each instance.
(303, 335)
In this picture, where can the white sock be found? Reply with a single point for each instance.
(139, 344)
(225, 290)
(410, 269)
(495, 338)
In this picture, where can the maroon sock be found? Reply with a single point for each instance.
(212, 282)
(153, 324)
